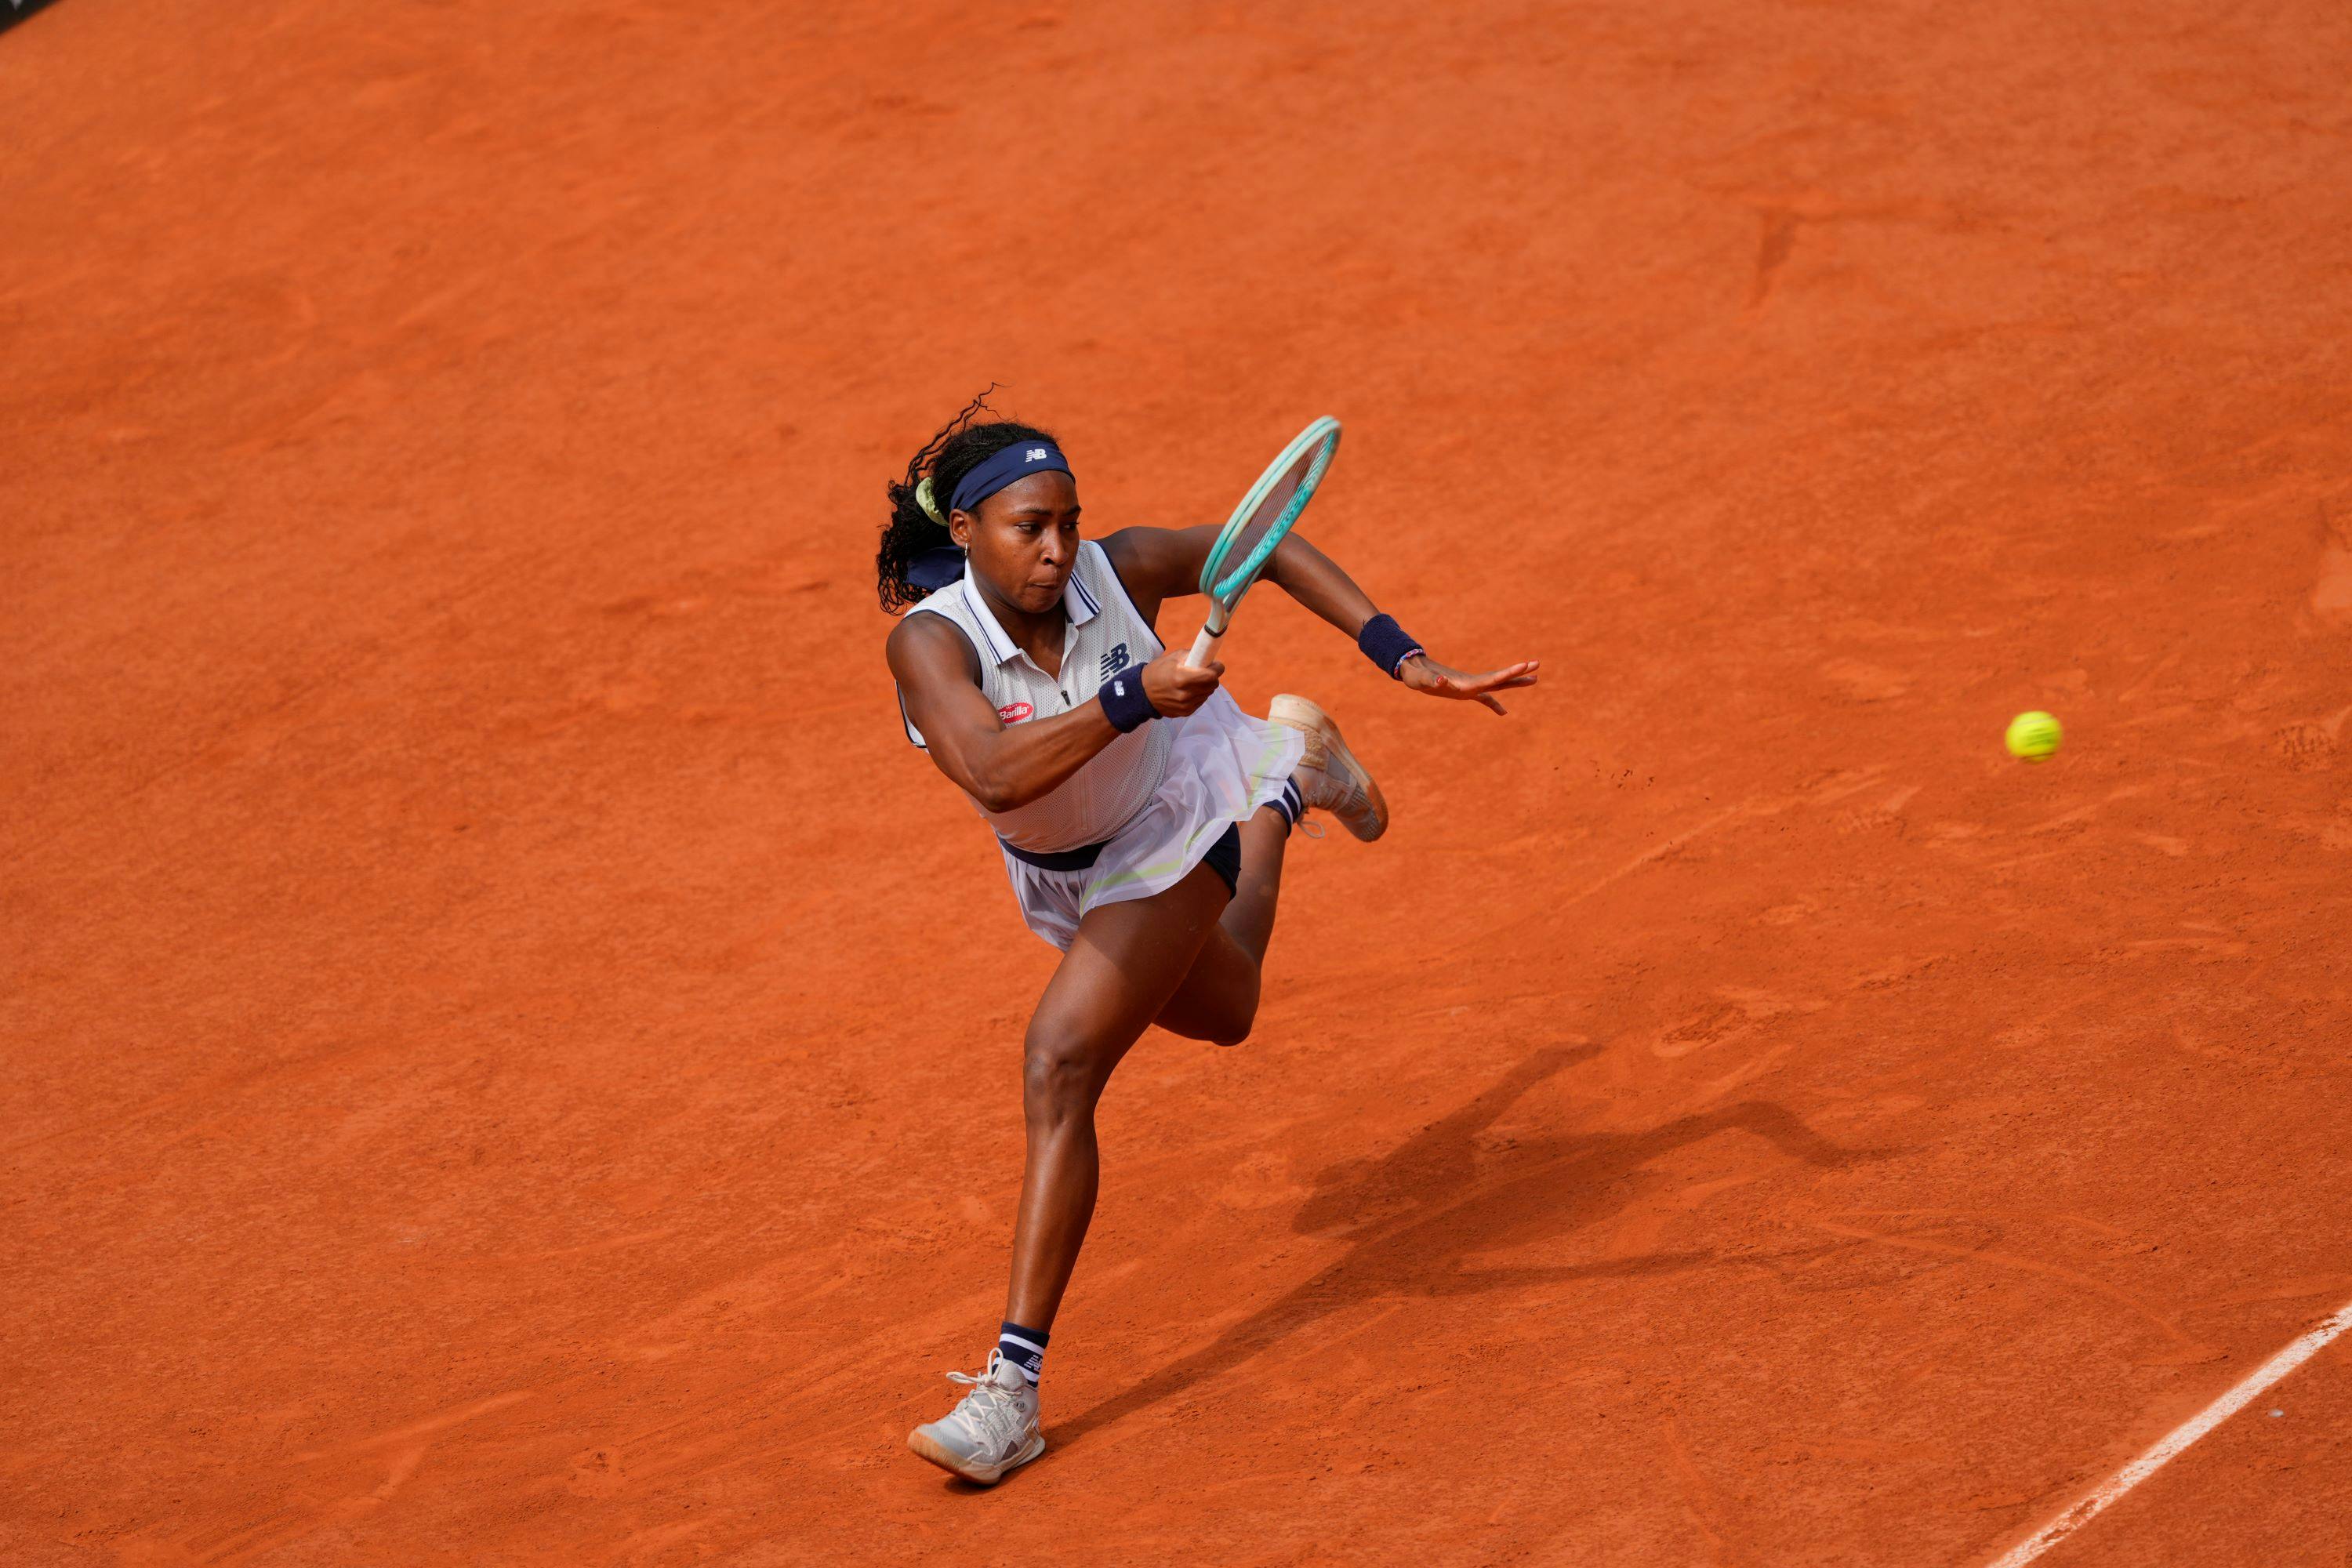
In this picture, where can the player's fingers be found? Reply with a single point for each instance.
(1498, 707)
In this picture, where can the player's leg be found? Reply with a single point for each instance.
(1118, 973)
(1218, 1000)
(1126, 961)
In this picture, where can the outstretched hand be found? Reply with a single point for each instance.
(1423, 673)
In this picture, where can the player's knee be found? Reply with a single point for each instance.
(1238, 1018)
(1060, 1075)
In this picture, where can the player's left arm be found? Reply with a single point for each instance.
(1315, 580)
(1156, 565)
(1162, 563)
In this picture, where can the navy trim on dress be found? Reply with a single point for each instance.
(1224, 856)
(1077, 859)
(987, 619)
(914, 736)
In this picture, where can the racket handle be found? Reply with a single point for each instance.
(1204, 649)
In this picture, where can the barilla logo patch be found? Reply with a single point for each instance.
(1013, 712)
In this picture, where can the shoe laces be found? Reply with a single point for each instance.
(990, 1410)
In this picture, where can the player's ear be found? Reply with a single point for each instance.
(959, 527)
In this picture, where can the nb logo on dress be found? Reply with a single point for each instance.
(1114, 661)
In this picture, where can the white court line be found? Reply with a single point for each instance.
(2195, 1427)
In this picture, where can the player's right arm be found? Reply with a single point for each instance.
(1006, 765)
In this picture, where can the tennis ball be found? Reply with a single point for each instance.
(2033, 736)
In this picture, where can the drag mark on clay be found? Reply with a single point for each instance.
(1830, 791)
(2283, 1291)
(2148, 677)
(2237, 1398)
(1826, 792)
(2190, 1352)
(1698, 1499)
(1999, 1215)
(2331, 595)
(242, 1540)
(419, 1428)
(1661, 850)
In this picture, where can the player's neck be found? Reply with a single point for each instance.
(1040, 636)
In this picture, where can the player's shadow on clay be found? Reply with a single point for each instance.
(1416, 1213)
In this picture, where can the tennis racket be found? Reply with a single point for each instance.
(1260, 524)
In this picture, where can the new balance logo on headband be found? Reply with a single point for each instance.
(1036, 454)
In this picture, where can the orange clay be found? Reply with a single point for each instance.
(510, 1057)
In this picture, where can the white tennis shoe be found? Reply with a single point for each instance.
(993, 1430)
(1329, 778)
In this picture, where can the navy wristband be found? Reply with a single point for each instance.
(1387, 644)
(1125, 702)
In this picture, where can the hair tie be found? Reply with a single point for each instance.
(923, 498)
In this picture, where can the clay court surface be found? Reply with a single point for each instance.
(512, 1058)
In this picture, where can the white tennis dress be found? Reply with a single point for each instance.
(1151, 802)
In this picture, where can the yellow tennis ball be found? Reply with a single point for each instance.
(2033, 736)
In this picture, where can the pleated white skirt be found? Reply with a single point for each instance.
(1222, 765)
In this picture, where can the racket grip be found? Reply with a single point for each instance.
(1204, 649)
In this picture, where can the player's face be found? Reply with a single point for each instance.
(1024, 540)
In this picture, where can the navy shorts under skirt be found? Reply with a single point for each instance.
(1225, 858)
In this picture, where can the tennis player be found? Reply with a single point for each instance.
(1142, 815)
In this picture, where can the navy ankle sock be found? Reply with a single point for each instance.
(1024, 1347)
(1290, 803)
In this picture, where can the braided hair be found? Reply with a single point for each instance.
(959, 446)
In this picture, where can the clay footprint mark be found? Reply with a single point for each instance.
(1740, 1013)
(597, 1472)
(1864, 683)
(2311, 746)
(1887, 814)
(1710, 1027)
(1779, 219)
(1773, 245)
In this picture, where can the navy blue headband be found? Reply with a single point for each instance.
(1015, 462)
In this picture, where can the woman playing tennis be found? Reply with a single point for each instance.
(1142, 815)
